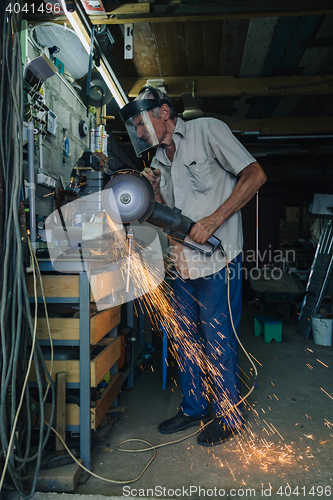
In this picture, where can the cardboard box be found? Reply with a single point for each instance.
(292, 214)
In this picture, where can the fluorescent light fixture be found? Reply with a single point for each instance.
(76, 27)
(114, 91)
(85, 40)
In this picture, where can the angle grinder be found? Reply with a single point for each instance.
(129, 197)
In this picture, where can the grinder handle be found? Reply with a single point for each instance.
(216, 243)
(207, 248)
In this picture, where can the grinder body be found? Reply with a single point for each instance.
(129, 197)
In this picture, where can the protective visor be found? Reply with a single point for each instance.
(138, 124)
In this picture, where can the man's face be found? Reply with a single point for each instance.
(143, 130)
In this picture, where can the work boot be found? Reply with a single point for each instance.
(216, 433)
(181, 422)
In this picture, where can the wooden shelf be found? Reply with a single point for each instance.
(99, 409)
(69, 328)
(101, 285)
(98, 365)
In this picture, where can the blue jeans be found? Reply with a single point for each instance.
(214, 351)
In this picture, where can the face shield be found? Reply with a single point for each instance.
(138, 124)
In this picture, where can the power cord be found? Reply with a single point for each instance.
(17, 328)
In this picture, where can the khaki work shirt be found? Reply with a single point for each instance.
(201, 177)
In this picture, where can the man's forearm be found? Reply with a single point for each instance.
(251, 179)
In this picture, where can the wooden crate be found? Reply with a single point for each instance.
(97, 413)
(101, 285)
(109, 395)
(69, 328)
(56, 286)
(98, 365)
(105, 284)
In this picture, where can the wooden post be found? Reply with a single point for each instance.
(61, 409)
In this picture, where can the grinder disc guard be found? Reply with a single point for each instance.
(128, 197)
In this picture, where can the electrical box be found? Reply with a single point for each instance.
(52, 123)
(46, 180)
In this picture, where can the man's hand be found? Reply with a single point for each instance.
(154, 176)
(205, 228)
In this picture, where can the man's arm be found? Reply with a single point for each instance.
(251, 178)
(154, 176)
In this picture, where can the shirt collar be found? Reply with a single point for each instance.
(180, 127)
(179, 130)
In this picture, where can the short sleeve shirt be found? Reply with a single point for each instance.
(199, 180)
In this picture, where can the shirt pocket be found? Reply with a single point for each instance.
(200, 175)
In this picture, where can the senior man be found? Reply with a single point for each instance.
(202, 169)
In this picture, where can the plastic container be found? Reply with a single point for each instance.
(105, 143)
(99, 139)
(322, 329)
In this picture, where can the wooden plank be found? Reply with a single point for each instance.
(55, 286)
(194, 43)
(61, 409)
(314, 57)
(104, 284)
(97, 413)
(59, 479)
(69, 328)
(258, 39)
(296, 55)
(70, 366)
(327, 65)
(233, 39)
(102, 323)
(72, 413)
(230, 86)
(103, 404)
(61, 328)
(105, 359)
(145, 51)
(98, 365)
(302, 106)
(170, 42)
(179, 12)
(305, 28)
(284, 32)
(285, 106)
(129, 8)
(211, 38)
(316, 42)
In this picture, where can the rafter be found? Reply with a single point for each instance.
(181, 12)
(231, 86)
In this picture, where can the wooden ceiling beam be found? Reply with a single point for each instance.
(285, 126)
(231, 86)
(180, 12)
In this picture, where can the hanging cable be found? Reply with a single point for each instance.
(17, 329)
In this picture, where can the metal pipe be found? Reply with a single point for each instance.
(40, 153)
(32, 185)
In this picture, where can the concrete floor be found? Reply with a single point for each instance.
(287, 443)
